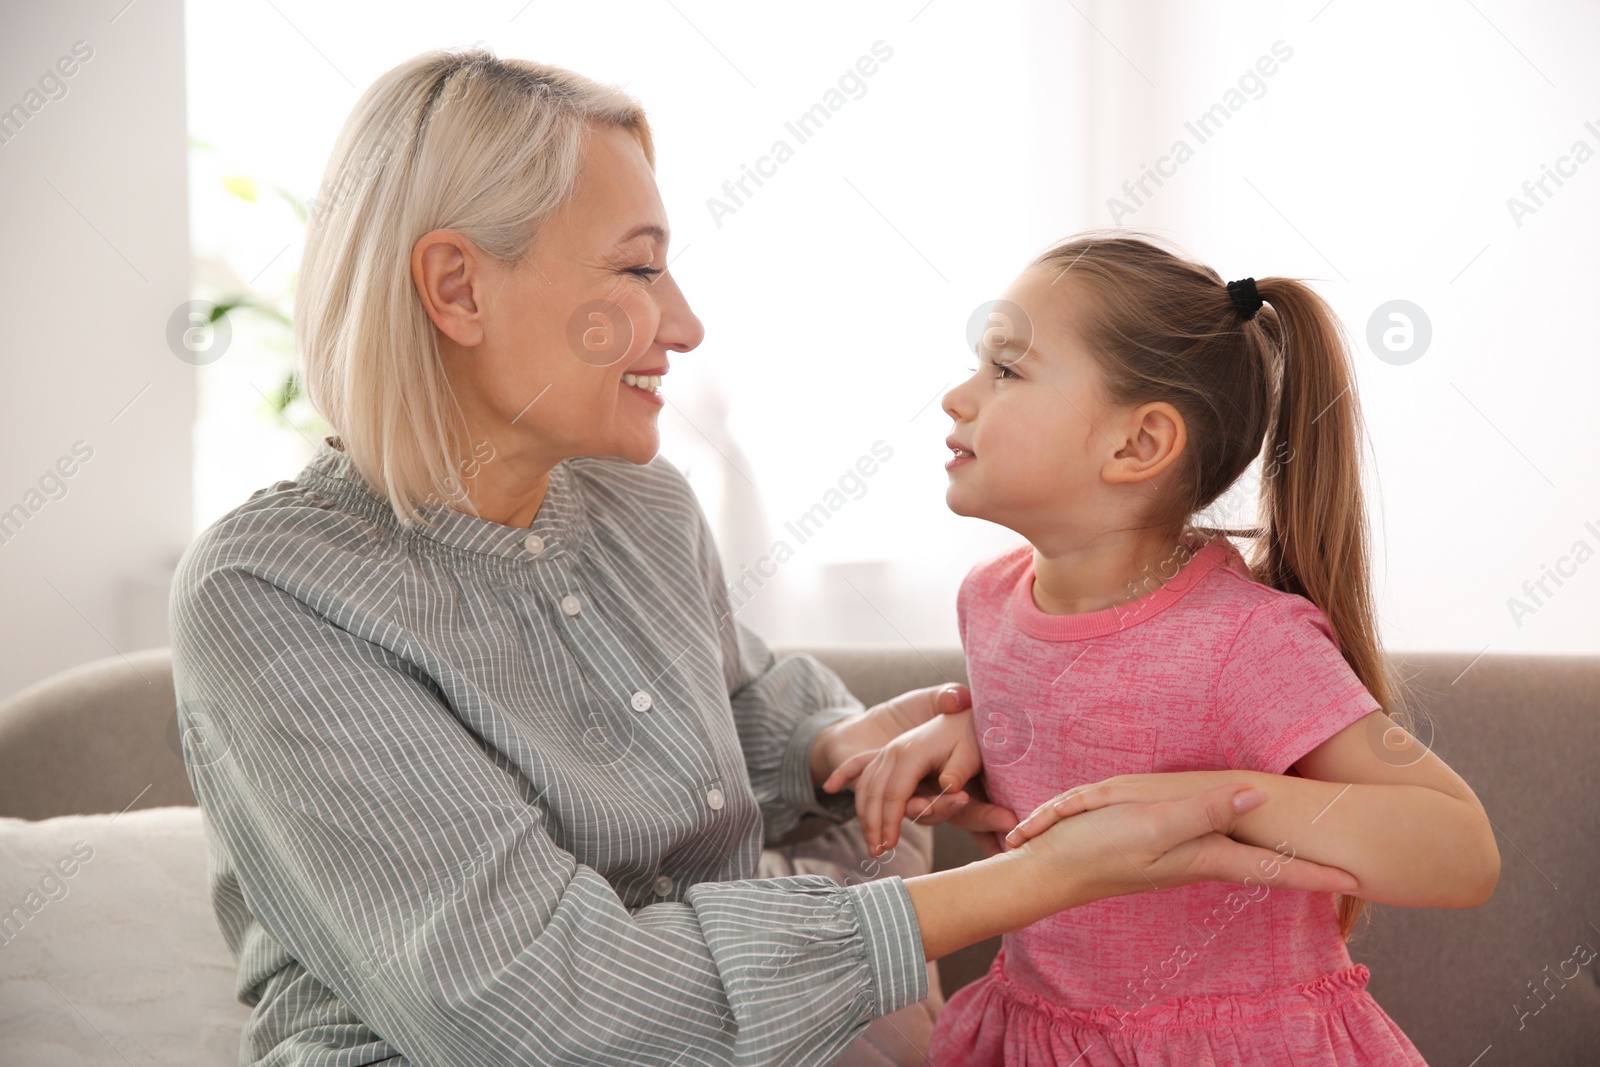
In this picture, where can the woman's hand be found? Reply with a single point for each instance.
(879, 725)
(1111, 851)
(1413, 834)
(944, 749)
(1122, 789)
(1157, 844)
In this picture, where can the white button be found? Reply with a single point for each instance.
(714, 798)
(570, 605)
(642, 701)
(533, 543)
(663, 886)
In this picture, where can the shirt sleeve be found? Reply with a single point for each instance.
(779, 706)
(1285, 687)
(377, 839)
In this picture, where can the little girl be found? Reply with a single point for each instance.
(1123, 390)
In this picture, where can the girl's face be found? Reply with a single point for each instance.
(1033, 434)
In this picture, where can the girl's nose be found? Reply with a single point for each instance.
(955, 403)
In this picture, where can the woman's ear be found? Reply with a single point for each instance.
(1155, 437)
(445, 271)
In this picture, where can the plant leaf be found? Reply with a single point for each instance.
(242, 187)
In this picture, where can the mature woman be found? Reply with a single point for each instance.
(486, 761)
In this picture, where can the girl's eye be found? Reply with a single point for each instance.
(646, 273)
(1002, 370)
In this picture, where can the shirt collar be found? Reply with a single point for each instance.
(560, 522)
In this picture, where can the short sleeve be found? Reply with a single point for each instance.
(1285, 687)
(968, 592)
(963, 597)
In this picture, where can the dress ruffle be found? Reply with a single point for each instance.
(1331, 1022)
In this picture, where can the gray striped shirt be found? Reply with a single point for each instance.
(485, 795)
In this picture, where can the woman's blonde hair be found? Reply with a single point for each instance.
(450, 139)
(1278, 387)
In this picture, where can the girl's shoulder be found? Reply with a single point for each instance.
(1238, 602)
(995, 575)
(989, 582)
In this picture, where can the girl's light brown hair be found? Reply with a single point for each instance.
(1278, 386)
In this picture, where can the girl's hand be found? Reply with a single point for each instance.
(881, 724)
(886, 780)
(986, 822)
(1122, 789)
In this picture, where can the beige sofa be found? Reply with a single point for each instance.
(1513, 982)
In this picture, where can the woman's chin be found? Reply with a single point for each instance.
(640, 449)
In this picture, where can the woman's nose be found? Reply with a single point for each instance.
(681, 329)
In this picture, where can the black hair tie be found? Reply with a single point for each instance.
(1246, 301)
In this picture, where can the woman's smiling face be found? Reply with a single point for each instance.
(1032, 417)
(537, 351)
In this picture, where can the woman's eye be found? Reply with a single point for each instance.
(646, 273)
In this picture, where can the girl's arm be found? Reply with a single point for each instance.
(1378, 797)
(1371, 800)
(1122, 848)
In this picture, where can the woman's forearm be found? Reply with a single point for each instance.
(1119, 848)
(965, 905)
(1409, 845)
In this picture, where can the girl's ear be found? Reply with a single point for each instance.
(1155, 437)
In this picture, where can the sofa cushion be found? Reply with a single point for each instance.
(109, 949)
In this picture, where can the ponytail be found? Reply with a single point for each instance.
(1314, 537)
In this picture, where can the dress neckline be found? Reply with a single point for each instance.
(1203, 556)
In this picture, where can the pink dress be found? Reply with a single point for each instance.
(1210, 671)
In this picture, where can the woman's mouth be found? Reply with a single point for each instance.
(647, 386)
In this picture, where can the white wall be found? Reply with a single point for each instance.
(92, 196)
(1379, 161)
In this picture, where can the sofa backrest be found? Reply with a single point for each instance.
(100, 737)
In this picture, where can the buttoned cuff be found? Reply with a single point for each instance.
(795, 783)
(893, 940)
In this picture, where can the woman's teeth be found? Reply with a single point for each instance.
(648, 382)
